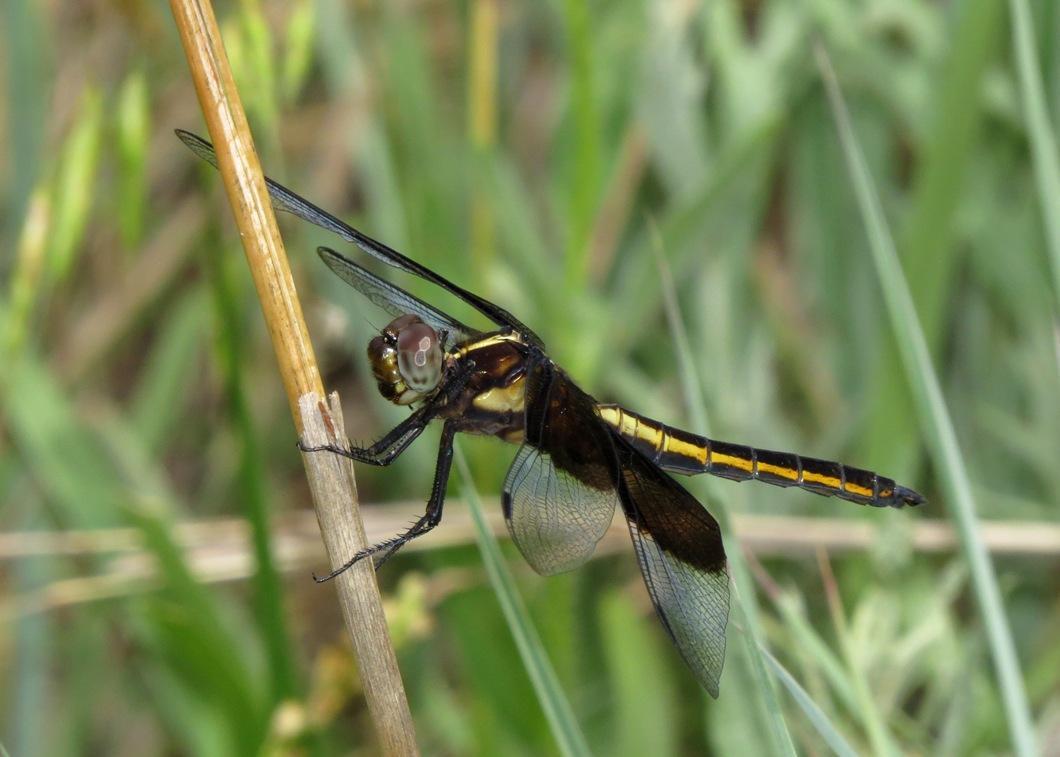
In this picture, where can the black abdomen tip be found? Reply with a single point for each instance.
(903, 497)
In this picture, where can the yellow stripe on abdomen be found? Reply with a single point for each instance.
(733, 461)
(692, 451)
(781, 471)
(861, 491)
(671, 448)
(679, 451)
(809, 477)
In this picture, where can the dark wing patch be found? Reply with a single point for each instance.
(679, 548)
(392, 298)
(560, 492)
(286, 200)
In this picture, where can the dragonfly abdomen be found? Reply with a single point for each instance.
(689, 454)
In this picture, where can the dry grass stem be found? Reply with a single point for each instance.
(335, 494)
(331, 481)
(218, 550)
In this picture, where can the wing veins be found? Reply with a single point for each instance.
(675, 541)
(559, 493)
(392, 298)
(286, 200)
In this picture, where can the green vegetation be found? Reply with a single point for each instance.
(667, 195)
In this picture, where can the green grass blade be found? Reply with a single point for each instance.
(643, 687)
(133, 139)
(28, 77)
(1043, 141)
(929, 254)
(251, 477)
(682, 225)
(936, 423)
(61, 454)
(157, 406)
(583, 182)
(86, 489)
(866, 704)
(814, 714)
(553, 701)
(297, 60)
(810, 644)
(184, 627)
(24, 289)
(75, 185)
(482, 129)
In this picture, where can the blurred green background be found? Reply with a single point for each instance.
(547, 155)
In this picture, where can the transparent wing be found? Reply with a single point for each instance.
(560, 493)
(288, 201)
(553, 518)
(393, 299)
(681, 556)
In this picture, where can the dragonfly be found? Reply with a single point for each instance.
(578, 459)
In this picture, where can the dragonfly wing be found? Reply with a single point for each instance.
(392, 298)
(560, 493)
(679, 548)
(288, 201)
(553, 518)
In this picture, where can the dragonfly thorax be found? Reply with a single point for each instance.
(406, 360)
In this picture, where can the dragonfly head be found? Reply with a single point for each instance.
(407, 359)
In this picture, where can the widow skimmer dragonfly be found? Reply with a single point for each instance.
(577, 459)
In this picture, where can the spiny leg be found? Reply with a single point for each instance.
(387, 449)
(397, 440)
(431, 517)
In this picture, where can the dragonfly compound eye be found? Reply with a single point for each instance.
(419, 356)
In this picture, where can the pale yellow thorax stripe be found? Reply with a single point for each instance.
(486, 341)
(506, 399)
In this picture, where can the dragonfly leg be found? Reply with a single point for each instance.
(387, 449)
(431, 517)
